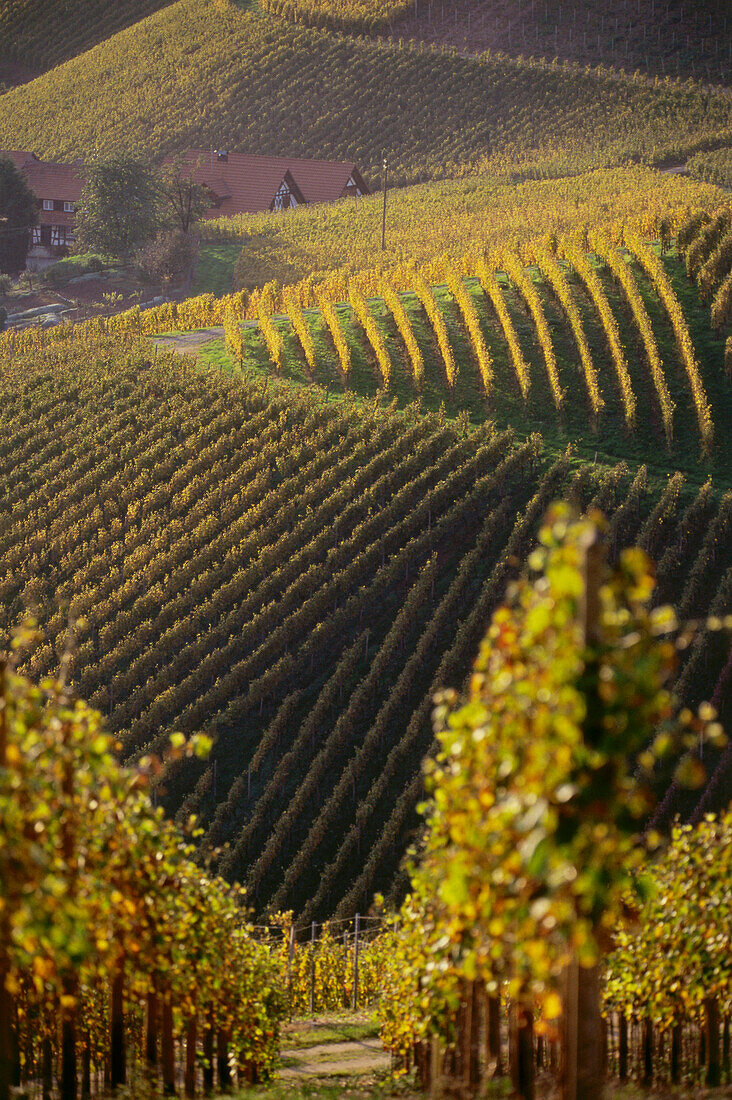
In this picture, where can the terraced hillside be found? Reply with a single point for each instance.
(43, 33)
(296, 576)
(201, 72)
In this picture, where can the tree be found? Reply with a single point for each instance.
(18, 213)
(184, 201)
(119, 208)
(170, 256)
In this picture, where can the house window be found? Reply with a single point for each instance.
(58, 204)
(36, 234)
(58, 234)
(352, 188)
(48, 204)
(284, 199)
(68, 208)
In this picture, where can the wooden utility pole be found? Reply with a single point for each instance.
(581, 1018)
(385, 167)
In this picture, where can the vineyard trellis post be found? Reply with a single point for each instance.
(623, 1047)
(581, 1016)
(345, 967)
(521, 1053)
(355, 961)
(493, 1033)
(117, 1029)
(711, 1024)
(290, 956)
(312, 968)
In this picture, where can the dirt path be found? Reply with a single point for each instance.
(189, 343)
(352, 1058)
(333, 1045)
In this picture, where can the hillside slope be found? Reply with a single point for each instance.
(43, 33)
(673, 39)
(449, 217)
(561, 347)
(295, 576)
(202, 72)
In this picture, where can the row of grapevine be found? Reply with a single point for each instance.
(272, 338)
(339, 342)
(414, 353)
(233, 337)
(721, 312)
(224, 559)
(418, 546)
(478, 874)
(395, 773)
(437, 321)
(359, 17)
(373, 333)
(705, 240)
(576, 257)
(120, 908)
(263, 304)
(457, 289)
(303, 334)
(367, 766)
(610, 255)
(409, 752)
(552, 271)
(654, 269)
(492, 290)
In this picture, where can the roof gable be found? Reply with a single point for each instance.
(246, 184)
(18, 157)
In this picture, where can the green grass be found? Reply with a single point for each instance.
(369, 1087)
(215, 269)
(307, 1033)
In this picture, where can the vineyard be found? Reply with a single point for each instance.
(678, 40)
(43, 35)
(357, 16)
(295, 577)
(609, 350)
(448, 218)
(714, 166)
(203, 73)
(366, 625)
(118, 907)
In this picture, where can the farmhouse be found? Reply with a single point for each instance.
(241, 183)
(238, 183)
(57, 188)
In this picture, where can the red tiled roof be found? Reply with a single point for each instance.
(51, 180)
(18, 157)
(246, 184)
